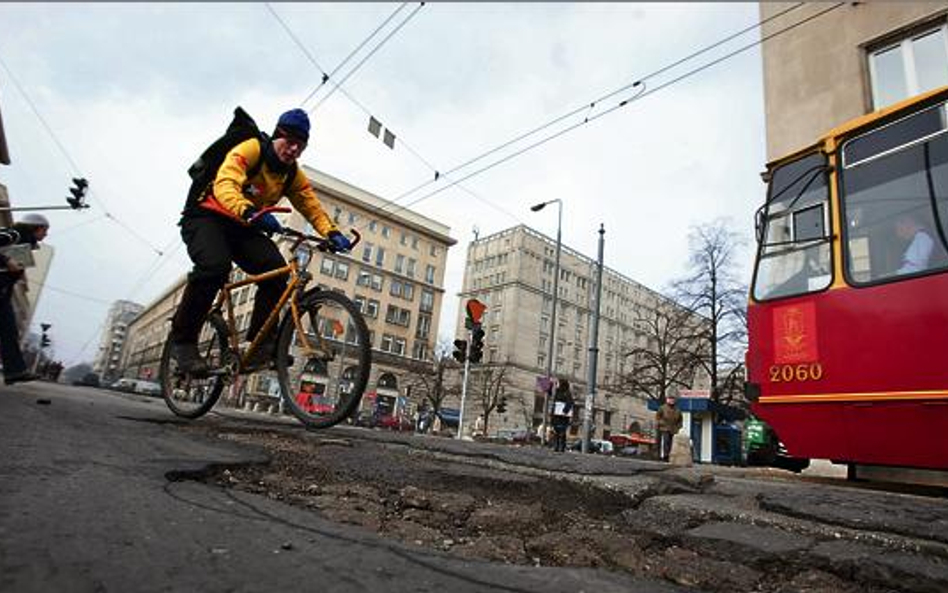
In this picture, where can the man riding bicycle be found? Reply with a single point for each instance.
(227, 226)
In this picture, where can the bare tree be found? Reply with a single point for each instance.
(713, 290)
(428, 376)
(665, 360)
(489, 382)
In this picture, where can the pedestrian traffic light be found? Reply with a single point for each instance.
(45, 341)
(475, 310)
(477, 343)
(77, 201)
(502, 406)
(460, 350)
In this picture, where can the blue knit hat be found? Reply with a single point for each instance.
(294, 123)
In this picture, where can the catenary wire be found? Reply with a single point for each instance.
(366, 57)
(354, 52)
(621, 104)
(65, 153)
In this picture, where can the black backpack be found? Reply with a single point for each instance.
(204, 169)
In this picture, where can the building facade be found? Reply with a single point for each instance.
(395, 275)
(850, 61)
(512, 273)
(108, 360)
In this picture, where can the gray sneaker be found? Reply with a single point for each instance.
(190, 361)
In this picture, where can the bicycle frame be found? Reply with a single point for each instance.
(294, 284)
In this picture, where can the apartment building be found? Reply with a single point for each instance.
(512, 273)
(852, 60)
(108, 360)
(395, 275)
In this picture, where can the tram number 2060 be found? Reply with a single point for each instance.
(785, 373)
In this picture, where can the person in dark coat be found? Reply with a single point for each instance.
(562, 414)
(29, 231)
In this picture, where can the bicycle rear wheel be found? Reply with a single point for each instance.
(323, 385)
(192, 397)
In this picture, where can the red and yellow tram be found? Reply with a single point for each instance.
(848, 312)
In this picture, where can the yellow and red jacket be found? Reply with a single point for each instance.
(235, 193)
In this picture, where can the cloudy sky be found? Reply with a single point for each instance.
(128, 94)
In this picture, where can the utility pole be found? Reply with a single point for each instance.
(467, 367)
(593, 346)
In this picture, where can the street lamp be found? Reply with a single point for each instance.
(556, 293)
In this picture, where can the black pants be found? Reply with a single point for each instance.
(9, 335)
(214, 243)
(559, 436)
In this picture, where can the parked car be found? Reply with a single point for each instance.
(137, 386)
(762, 447)
(88, 380)
(595, 446)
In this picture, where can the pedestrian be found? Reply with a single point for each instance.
(30, 231)
(562, 415)
(226, 226)
(478, 426)
(669, 420)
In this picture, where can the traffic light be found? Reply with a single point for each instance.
(502, 406)
(477, 343)
(475, 310)
(45, 341)
(77, 201)
(460, 350)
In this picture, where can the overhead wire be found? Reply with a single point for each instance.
(72, 163)
(326, 77)
(643, 93)
(338, 86)
(590, 104)
(367, 56)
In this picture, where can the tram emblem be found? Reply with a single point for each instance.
(795, 334)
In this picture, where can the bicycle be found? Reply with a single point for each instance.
(322, 367)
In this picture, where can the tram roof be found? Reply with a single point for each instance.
(858, 122)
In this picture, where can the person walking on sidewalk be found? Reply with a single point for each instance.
(562, 414)
(30, 230)
(227, 226)
(669, 421)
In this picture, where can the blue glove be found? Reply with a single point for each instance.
(339, 241)
(267, 223)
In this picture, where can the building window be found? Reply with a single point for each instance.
(420, 351)
(372, 308)
(373, 226)
(399, 263)
(380, 257)
(377, 282)
(326, 267)
(367, 253)
(364, 279)
(410, 270)
(430, 274)
(342, 270)
(398, 346)
(386, 231)
(427, 300)
(408, 291)
(909, 67)
(424, 327)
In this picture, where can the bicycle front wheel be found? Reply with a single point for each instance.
(192, 397)
(323, 369)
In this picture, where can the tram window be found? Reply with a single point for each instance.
(889, 200)
(808, 223)
(794, 253)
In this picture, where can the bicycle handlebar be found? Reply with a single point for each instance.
(321, 243)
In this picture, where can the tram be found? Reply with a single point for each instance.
(848, 311)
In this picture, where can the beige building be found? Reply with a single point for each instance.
(850, 61)
(108, 360)
(512, 273)
(396, 276)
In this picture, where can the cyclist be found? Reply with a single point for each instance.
(227, 226)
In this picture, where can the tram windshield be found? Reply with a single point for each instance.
(894, 186)
(793, 254)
